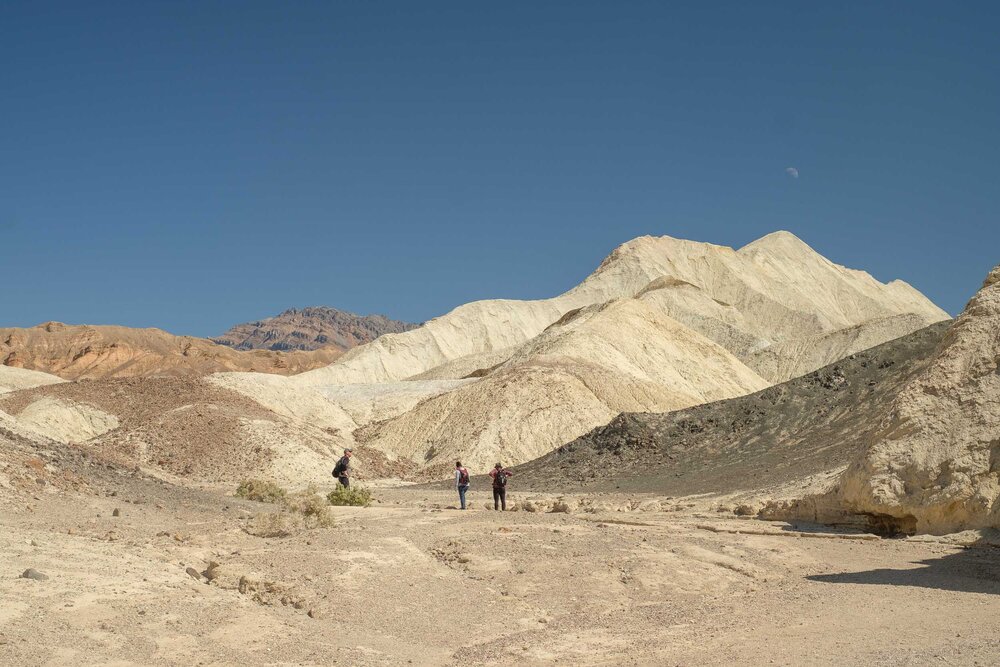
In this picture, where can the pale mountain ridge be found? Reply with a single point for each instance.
(662, 324)
(777, 282)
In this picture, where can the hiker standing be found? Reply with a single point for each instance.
(500, 475)
(461, 481)
(342, 471)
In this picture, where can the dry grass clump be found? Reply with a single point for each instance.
(261, 491)
(273, 524)
(313, 509)
(358, 497)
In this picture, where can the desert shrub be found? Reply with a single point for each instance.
(260, 490)
(273, 524)
(312, 507)
(304, 510)
(359, 497)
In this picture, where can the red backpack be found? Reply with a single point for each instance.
(463, 477)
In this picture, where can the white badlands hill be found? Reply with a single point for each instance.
(15, 379)
(662, 323)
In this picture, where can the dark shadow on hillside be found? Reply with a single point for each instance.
(972, 570)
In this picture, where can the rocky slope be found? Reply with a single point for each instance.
(932, 462)
(88, 352)
(311, 329)
(786, 433)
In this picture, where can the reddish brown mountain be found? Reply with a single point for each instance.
(82, 351)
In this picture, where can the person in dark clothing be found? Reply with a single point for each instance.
(342, 471)
(461, 481)
(500, 475)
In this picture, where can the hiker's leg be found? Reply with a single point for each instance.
(503, 499)
(496, 499)
(461, 494)
(345, 482)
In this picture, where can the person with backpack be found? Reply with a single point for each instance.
(461, 481)
(500, 475)
(342, 471)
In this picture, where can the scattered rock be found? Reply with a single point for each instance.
(212, 571)
(193, 573)
(117, 512)
(32, 573)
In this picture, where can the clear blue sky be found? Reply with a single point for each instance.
(190, 165)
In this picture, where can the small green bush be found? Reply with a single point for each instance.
(358, 497)
(261, 491)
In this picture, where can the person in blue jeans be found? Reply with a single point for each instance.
(461, 481)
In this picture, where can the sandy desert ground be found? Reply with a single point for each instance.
(173, 578)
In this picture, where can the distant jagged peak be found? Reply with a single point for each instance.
(311, 328)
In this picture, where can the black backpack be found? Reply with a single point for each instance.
(500, 480)
(338, 469)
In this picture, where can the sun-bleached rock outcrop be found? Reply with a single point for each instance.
(935, 465)
(65, 421)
